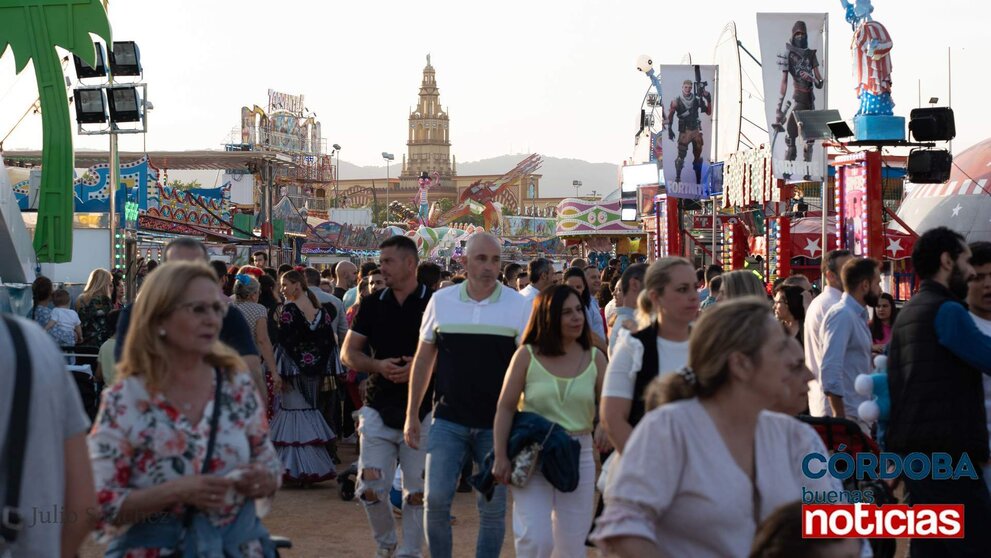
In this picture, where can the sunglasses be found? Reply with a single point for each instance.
(202, 309)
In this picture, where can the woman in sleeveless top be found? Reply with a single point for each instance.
(667, 306)
(558, 373)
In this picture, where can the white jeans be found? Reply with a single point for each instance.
(549, 523)
(381, 448)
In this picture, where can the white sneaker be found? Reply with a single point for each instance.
(386, 552)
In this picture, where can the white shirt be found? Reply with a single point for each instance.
(814, 317)
(985, 327)
(627, 360)
(340, 322)
(529, 292)
(65, 318)
(503, 312)
(622, 315)
(677, 475)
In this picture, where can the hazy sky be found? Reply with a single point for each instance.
(553, 77)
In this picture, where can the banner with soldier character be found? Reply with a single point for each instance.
(687, 137)
(791, 48)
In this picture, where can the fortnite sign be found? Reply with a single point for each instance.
(284, 102)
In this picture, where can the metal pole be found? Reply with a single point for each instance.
(825, 155)
(113, 176)
(715, 149)
(267, 177)
(949, 87)
(386, 218)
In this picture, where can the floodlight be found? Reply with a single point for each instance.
(125, 59)
(933, 100)
(124, 104)
(388, 156)
(840, 129)
(813, 124)
(84, 70)
(336, 147)
(91, 107)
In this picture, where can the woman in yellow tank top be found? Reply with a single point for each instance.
(556, 373)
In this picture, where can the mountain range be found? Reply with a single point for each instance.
(556, 181)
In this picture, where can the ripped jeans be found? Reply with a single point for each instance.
(381, 448)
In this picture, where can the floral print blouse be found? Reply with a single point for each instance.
(93, 316)
(140, 440)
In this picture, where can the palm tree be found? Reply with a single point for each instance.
(33, 29)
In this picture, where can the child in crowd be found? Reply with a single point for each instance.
(64, 324)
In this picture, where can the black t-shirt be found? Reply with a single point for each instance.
(392, 331)
(339, 292)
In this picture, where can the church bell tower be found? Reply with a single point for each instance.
(429, 143)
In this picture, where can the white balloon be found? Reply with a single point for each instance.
(881, 362)
(864, 385)
(869, 411)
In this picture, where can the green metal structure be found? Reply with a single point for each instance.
(32, 30)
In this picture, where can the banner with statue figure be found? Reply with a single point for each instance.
(791, 47)
(686, 142)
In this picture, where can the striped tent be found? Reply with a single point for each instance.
(963, 203)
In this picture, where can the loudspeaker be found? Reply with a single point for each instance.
(929, 166)
(932, 124)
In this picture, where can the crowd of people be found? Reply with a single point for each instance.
(643, 409)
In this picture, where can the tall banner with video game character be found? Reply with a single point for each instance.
(687, 137)
(794, 69)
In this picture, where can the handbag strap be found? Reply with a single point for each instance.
(187, 519)
(214, 421)
(548, 436)
(11, 521)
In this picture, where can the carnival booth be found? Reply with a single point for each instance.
(588, 227)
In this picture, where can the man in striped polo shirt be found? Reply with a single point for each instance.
(468, 336)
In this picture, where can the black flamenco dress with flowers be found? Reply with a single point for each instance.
(305, 354)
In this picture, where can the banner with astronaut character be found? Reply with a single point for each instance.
(687, 136)
(791, 47)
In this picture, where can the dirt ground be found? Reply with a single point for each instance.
(321, 525)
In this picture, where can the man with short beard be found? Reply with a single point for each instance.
(846, 339)
(935, 360)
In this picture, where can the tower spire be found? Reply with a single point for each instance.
(429, 144)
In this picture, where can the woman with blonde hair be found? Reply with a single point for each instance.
(93, 305)
(180, 448)
(740, 283)
(666, 307)
(713, 452)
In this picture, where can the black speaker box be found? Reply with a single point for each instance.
(929, 166)
(932, 124)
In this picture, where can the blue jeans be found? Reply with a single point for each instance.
(446, 446)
